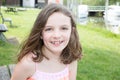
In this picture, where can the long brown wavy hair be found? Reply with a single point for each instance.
(34, 42)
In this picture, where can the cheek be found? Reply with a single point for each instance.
(45, 36)
(68, 35)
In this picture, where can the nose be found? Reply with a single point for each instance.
(57, 34)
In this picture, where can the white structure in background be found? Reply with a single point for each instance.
(28, 3)
(55, 1)
(72, 5)
(113, 18)
(82, 14)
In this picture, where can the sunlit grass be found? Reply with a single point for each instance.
(100, 54)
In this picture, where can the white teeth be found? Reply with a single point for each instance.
(56, 42)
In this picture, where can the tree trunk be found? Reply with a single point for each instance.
(46, 1)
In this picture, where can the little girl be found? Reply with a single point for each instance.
(52, 48)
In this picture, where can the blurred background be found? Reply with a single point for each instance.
(98, 25)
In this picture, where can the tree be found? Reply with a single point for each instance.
(3, 2)
(111, 2)
(46, 1)
(97, 2)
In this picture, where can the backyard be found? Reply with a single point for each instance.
(101, 48)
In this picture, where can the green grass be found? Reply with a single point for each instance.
(100, 54)
(22, 24)
(7, 53)
(101, 48)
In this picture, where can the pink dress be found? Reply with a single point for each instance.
(62, 75)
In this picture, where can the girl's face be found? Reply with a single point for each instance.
(56, 33)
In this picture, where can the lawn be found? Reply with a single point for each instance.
(100, 54)
(101, 48)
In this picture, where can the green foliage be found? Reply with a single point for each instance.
(65, 2)
(94, 3)
(3, 2)
(97, 2)
(113, 2)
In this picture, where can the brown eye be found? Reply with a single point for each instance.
(64, 28)
(48, 29)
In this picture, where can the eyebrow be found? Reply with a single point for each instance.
(65, 25)
(60, 25)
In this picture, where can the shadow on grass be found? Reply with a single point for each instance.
(8, 53)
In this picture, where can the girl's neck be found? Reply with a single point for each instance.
(50, 54)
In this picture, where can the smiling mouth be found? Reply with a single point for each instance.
(57, 43)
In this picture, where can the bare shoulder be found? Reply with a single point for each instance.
(24, 69)
(27, 62)
(73, 64)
